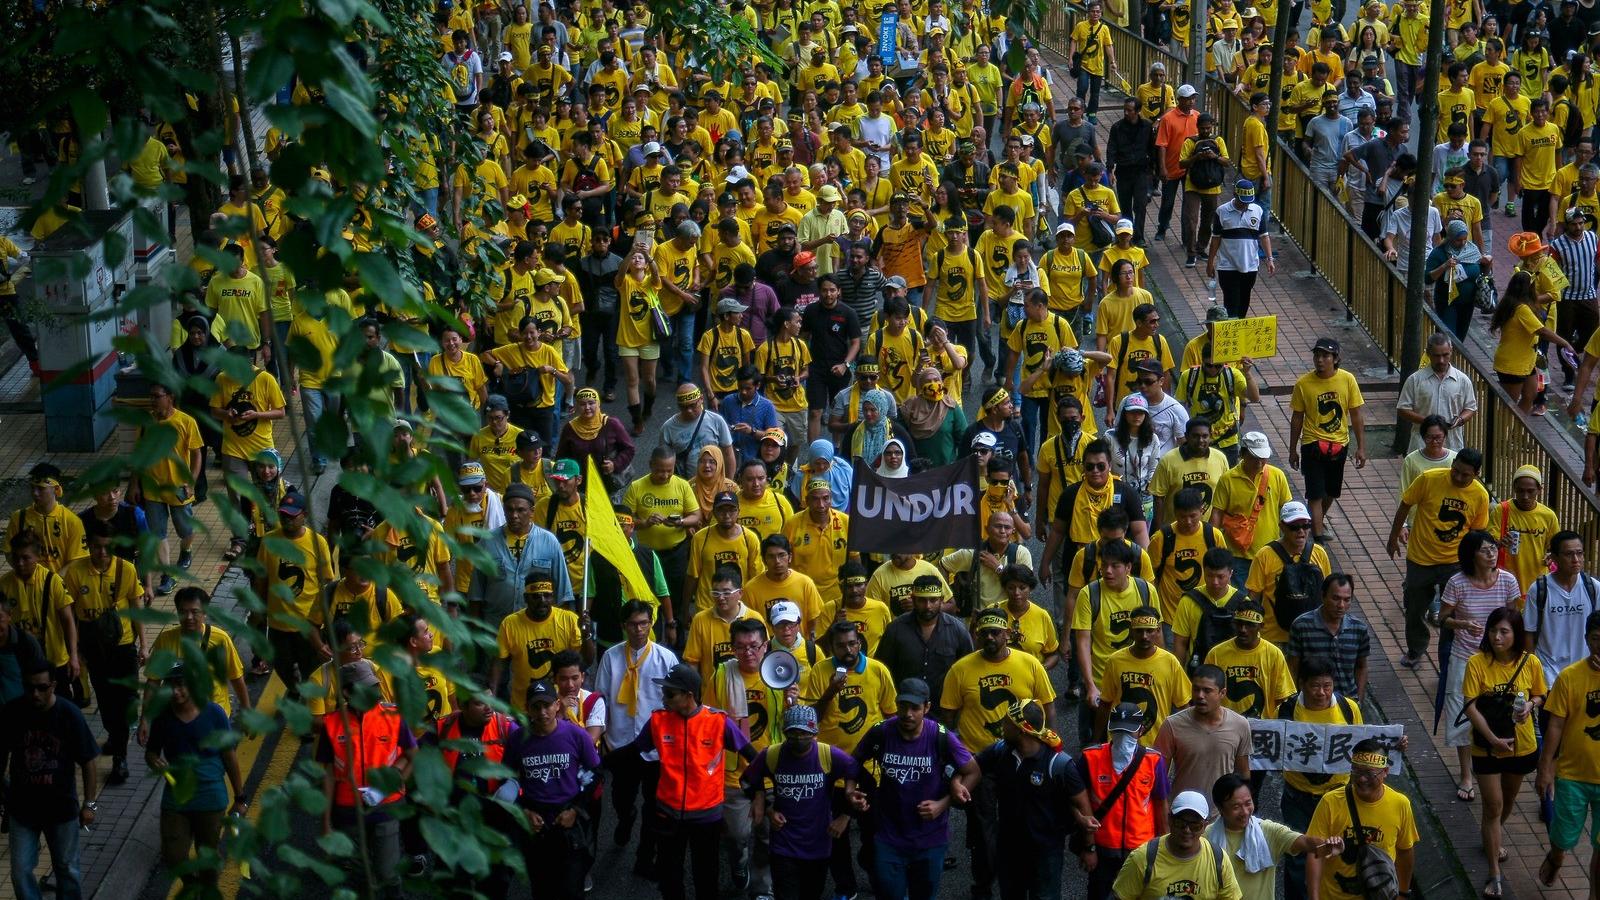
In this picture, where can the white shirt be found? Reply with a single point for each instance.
(878, 131)
(622, 728)
(1559, 620)
(1169, 419)
(1426, 393)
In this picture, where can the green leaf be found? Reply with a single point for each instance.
(465, 856)
(336, 844)
(431, 777)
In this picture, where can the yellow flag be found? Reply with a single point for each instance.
(606, 537)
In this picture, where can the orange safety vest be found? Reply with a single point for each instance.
(1131, 820)
(691, 759)
(377, 734)
(492, 740)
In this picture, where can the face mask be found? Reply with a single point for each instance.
(997, 492)
(933, 391)
(1070, 427)
(1122, 746)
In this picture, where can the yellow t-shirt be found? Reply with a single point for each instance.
(871, 619)
(1334, 715)
(246, 440)
(223, 664)
(1486, 675)
(725, 355)
(1236, 493)
(784, 359)
(956, 281)
(1326, 404)
(61, 531)
(364, 609)
(1075, 205)
(95, 594)
(1258, 678)
(646, 499)
(710, 640)
(710, 550)
(1034, 632)
(892, 585)
(1262, 582)
(239, 303)
(1171, 876)
(980, 691)
(681, 267)
(1036, 344)
(1444, 515)
(767, 515)
(1255, 138)
(1515, 354)
(762, 592)
(496, 453)
(1573, 698)
(1157, 684)
(1066, 273)
(1183, 156)
(532, 646)
(1175, 472)
(1177, 557)
(1387, 825)
(1092, 40)
(1506, 119)
(297, 571)
(866, 699)
(426, 562)
(763, 704)
(819, 550)
(1108, 631)
(36, 605)
(1539, 147)
(1527, 536)
(168, 480)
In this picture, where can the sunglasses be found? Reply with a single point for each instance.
(1146, 382)
(1299, 526)
(1096, 467)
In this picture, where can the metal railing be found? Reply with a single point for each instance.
(1372, 290)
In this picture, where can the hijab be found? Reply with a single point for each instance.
(588, 428)
(706, 489)
(868, 441)
(924, 412)
(905, 466)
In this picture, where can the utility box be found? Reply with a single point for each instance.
(79, 290)
(152, 256)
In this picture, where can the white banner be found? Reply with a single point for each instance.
(1278, 745)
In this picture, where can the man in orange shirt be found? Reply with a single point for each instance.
(1174, 127)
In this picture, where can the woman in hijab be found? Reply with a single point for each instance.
(592, 434)
(1453, 267)
(710, 479)
(873, 429)
(933, 418)
(894, 464)
(820, 462)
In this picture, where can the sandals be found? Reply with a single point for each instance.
(1467, 794)
(1549, 869)
(609, 396)
(234, 551)
(1495, 888)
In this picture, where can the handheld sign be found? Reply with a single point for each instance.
(888, 35)
(1235, 339)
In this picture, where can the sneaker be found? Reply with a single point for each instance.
(1161, 234)
(1188, 261)
(741, 876)
(119, 770)
(1409, 661)
(166, 586)
(588, 883)
(185, 558)
(1511, 208)
(318, 467)
(419, 865)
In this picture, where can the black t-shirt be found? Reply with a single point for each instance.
(793, 294)
(1007, 440)
(830, 331)
(1034, 793)
(45, 748)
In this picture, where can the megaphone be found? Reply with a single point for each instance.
(780, 670)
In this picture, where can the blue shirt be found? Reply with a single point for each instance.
(193, 752)
(759, 414)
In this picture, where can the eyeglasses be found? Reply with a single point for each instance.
(722, 595)
(1186, 824)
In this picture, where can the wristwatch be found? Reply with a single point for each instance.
(92, 806)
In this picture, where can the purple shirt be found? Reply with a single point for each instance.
(913, 771)
(805, 797)
(763, 302)
(554, 768)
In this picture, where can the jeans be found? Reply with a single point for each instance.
(799, 879)
(1297, 809)
(383, 843)
(1170, 188)
(557, 859)
(600, 347)
(293, 658)
(747, 842)
(112, 671)
(1236, 287)
(62, 839)
(159, 515)
(965, 334)
(678, 355)
(1107, 864)
(1405, 87)
(1422, 581)
(983, 825)
(1034, 410)
(907, 873)
(696, 841)
(413, 366)
(1031, 872)
(1198, 211)
(1264, 200)
(1535, 210)
(1133, 189)
(429, 202)
(316, 403)
(1089, 91)
(675, 569)
(631, 777)
(280, 351)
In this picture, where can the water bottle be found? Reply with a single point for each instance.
(1520, 704)
(1211, 292)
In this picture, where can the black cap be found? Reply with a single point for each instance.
(1328, 344)
(1126, 717)
(529, 439)
(541, 691)
(725, 497)
(912, 690)
(683, 677)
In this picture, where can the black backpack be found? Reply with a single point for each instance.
(1206, 173)
(1213, 626)
(1299, 585)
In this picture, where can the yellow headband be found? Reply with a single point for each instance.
(1249, 616)
(588, 394)
(688, 397)
(999, 399)
(852, 580)
(1044, 735)
(624, 519)
(867, 369)
(1144, 622)
(1372, 759)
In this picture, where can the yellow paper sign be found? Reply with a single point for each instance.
(1235, 339)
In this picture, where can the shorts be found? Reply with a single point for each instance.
(159, 514)
(822, 386)
(1573, 800)
(794, 426)
(1505, 765)
(1455, 735)
(648, 351)
(1508, 379)
(1324, 473)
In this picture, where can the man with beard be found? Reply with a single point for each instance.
(1181, 862)
(518, 549)
(911, 807)
(925, 642)
(532, 637)
(977, 691)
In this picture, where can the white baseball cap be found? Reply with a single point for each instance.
(651, 148)
(1066, 227)
(1294, 511)
(1192, 801)
(1255, 443)
(1186, 90)
(784, 611)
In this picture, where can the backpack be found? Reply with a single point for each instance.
(685, 465)
(380, 598)
(1292, 702)
(1299, 585)
(1574, 130)
(1542, 595)
(1206, 174)
(1213, 626)
(1152, 848)
(824, 758)
(586, 178)
(1206, 413)
(1101, 233)
(1139, 584)
(1169, 537)
(964, 586)
(1162, 349)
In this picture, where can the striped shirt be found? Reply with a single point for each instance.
(1577, 258)
(1240, 231)
(1308, 637)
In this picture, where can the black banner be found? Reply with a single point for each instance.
(920, 513)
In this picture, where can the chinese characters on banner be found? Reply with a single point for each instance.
(1279, 745)
(1236, 339)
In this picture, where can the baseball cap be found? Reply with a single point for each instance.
(1256, 444)
(783, 611)
(1325, 344)
(777, 436)
(682, 677)
(547, 276)
(1186, 90)
(470, 473)
(730, 306)
(800, 717)
(505, 56)
(564, 469)
(1244, 189)
(804, 258)
(1294, 511)
(292, 504)
(529, 439)
(541, 691)
(983, 439)
(1066, 228)
(1135, 401)
(653, 148)
(725, 498)
(896, 282)
(912, 690)
(989, 619)
(1192, 802)
(360, 673)
(1124, 226)
(1126, 717)
(828, 194)
(1528, 472)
